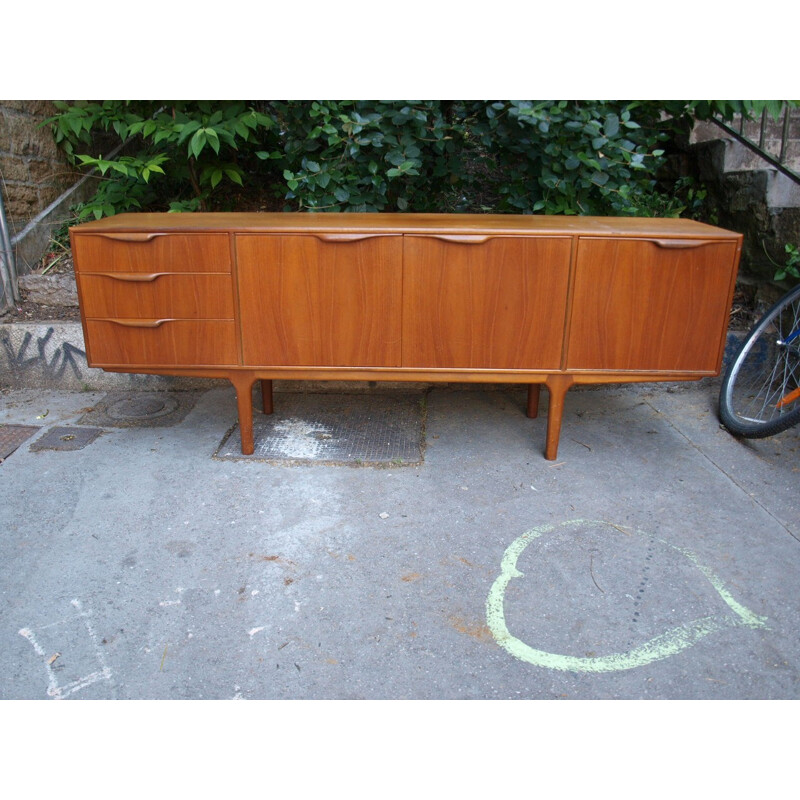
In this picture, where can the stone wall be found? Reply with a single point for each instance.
(34, 171)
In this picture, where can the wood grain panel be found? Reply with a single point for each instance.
(470, 224)
(172, 295)
(645, 305)
(497, 303)
(152, 252)
(171, 343)
(305, 301)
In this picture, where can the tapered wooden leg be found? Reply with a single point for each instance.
(557, 386)
(533, 400)
(266, 396)
(244, 402)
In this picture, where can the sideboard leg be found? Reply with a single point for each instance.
(557, 386)
(244, 402)
(533, 400)
(266, 397)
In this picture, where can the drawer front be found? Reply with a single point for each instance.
(156, 296)
(320, 300)
(478, 302)
(152, 252)
(651, 305)
(161, 343)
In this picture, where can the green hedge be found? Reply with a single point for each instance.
(550, 157)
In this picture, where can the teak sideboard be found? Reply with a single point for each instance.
(405, 297)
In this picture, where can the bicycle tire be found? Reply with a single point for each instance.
(763, 371)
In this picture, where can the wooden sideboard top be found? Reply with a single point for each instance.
(477, 224)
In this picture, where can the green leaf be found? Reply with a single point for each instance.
(341, 194)
(197, 143)
(212, 138)
(611, 126)
(234, 175)
(216, 177)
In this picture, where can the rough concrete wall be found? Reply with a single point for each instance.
(741, 198)
(34, 171)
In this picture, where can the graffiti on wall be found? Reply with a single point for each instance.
(53, 361)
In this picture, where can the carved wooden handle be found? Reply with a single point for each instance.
(138, 323)
(132, 277)
(130, 237)
(461, 238)
(680, 244)
(349, 237)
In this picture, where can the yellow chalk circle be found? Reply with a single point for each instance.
(666, 644)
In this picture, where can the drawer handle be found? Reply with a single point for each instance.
(461, 238)
(130, 237)
(138, 323)
(132, 277)
(348, 237)
(680, 244)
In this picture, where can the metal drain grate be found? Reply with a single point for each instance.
(66, 439)
(140, 409)
(336, 429)
(12, 436)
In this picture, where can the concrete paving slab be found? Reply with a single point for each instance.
(656, 558)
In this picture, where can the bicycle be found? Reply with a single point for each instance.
(760, 392)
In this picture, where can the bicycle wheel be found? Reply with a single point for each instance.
(760, 394)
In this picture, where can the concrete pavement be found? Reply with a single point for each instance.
(656, 558)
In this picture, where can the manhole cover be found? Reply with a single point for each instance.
(140, 409)
(360, 429)
(142, 406)
(12, 436)
(66, 439)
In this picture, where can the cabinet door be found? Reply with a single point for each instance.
(651, 304)
(485, 302)
(328, 300)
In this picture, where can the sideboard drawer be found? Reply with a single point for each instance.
(651, 304)
(161, 343)
(152, 252)
(156, 295)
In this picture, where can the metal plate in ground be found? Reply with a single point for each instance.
(66, 439)
(12, 436)
(140, 409)
(355, 429)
